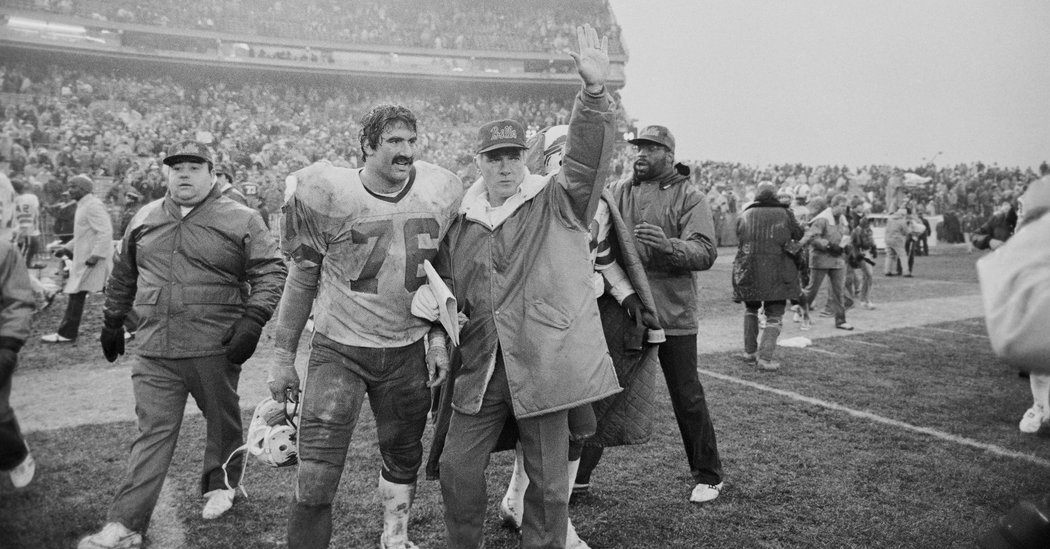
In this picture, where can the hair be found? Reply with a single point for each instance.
(838, 200)
(377, 119)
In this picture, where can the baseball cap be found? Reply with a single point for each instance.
(655, 134)
(500, 134)
(188, 150)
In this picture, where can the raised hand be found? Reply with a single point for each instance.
(592, 61)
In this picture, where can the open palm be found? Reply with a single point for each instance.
(592, 61)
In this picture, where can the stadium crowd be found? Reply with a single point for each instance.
(58, 121)
(447, 24)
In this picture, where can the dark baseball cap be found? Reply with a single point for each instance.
(189, 150)
(655, 134)
(500, 134)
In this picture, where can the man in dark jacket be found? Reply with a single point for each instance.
(675, 237)
(764, 275)
(204, 276)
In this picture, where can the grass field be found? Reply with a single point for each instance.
(899, 438)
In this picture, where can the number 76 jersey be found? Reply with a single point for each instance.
(367, 248)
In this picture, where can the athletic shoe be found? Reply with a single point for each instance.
(112, 536)
(768, 365)
(890, 274)
(217, 503)
(1033, 419)
(748, 357)
(55, 338)
(128, 336)
(22, 474)
(907, 276)
(845, 326)
(705, 492)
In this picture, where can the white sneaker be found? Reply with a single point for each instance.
(705, 492)
(218, 502)
(572, 539)
(54, 338)
(112, 536)
(509, 515)
(1033, 419)
(22, 474)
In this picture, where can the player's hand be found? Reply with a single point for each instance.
(283, 380)
(112, 338)
(639, 313)
(437, 365)
(653, 236)
(592, 61)
(92, 261)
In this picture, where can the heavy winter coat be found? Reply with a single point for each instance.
(92, 236)
(762, 270)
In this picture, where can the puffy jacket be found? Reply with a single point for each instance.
(762, 270)
(190, 278)
(824, 230)
(678, 207)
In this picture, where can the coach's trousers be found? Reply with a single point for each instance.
(161, 386)
(678, 362)
(545, 445)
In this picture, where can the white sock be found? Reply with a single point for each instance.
(1040, 384)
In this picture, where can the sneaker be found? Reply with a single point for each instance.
(55, 338)
(128, 336)
(112, 536)
(572, 539)
(890, 274)
(1033, 419)
(748, 357)
(705, 492)
(907, 276)
(845, 326)
(23, 473)
(768, 365)
(217, 503)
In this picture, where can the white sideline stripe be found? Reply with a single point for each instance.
(851, 340)
(926, 339)
(815, 350)
(976, 336)
(991, 448)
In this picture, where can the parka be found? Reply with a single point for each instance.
(762, 270)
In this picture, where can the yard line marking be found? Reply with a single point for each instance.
(991, 448)
(926, 339)
(851, 340)
(815, 350)
(977, 336)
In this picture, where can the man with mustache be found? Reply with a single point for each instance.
(675, 237)
(358, 238)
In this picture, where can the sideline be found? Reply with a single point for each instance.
(948, 437)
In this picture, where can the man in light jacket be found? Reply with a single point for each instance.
(517, 260)
(827, 236)
(92, 253)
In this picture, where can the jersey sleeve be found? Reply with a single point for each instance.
(311, 211)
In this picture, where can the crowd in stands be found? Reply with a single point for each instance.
(58, 121)
(505, 25)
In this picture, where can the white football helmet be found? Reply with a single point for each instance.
(273, 433)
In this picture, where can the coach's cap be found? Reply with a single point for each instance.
(188, 150)
(501, 134)
(82, 182)
(655, 134)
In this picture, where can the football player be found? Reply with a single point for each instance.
(358, 239)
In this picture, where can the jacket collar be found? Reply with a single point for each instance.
(475, 200)
(677, 175)
(213, 194)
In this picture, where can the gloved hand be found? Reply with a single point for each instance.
(91, 261)
(834, 249)
(437, 358)
(639, 313)
(112, 338)
(8, 361)
(242, 338)
(283, 379)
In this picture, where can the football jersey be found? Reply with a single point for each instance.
(369, 248)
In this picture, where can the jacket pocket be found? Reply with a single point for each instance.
(147, 296)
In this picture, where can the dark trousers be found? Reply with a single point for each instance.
(13, 447)
(678, 362)
(545, 445)
(70, 326)
(161, 387)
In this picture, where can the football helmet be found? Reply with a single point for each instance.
(273, 433)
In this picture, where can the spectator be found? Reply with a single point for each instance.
(16, 311)
(27, 217)
(897, 234)
(862, 255)
(998, 229)
(827, 235)
(764, 274)
(91, 251)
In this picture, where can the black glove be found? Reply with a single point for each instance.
(834, 249)
(243, 336)
(112, 338)
(639, 313)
